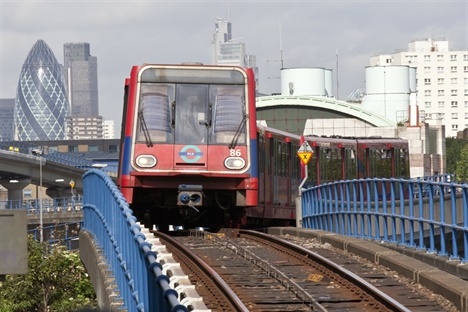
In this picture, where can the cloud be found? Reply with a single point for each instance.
(127, 33)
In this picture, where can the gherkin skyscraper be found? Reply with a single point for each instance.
(41, 104)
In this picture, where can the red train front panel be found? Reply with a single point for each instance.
(189, 145)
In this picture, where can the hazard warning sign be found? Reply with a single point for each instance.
(305, 153)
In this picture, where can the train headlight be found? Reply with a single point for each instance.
(146, 161)
(234, 163)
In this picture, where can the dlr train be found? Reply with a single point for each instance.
(193, 154)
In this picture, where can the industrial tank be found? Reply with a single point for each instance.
(306, 81)
(388, 91)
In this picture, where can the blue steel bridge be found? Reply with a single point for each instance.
(428, 215)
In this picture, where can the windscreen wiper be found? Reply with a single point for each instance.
(238, 132)
(144, 128)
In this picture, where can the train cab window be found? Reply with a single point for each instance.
(154, 113)
(191, 114)
(230, 121)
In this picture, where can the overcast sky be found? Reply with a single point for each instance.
(126, 33)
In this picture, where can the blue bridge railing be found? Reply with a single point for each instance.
(64, 234)
(139, 277)
(418, 213)
(52, 205)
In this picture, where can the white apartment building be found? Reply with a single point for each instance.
(441, 81)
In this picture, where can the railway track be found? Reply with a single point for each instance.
(251, 271)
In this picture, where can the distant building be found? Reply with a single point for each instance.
(41, 104)
(441, 81)
(229, 51)
(108, 129)
(81, 77)
(7, 126)
(84, 128)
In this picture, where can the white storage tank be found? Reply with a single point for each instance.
(329, 82)
(388, 91)
(303, 81)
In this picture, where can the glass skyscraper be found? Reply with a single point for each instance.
(41, 104)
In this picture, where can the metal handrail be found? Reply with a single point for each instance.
(416, 213)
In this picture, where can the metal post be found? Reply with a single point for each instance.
(299, 200)
(41, 225)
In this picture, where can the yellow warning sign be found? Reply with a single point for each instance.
(305, 156)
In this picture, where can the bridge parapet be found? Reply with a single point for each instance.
(417, 213)
(113, 228)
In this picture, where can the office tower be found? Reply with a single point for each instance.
(7, 126)
(41, 104)
(80, 70)
(441, 81)
(229, 51)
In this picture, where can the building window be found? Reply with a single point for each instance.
(466, 115)
(453, 80)
(427, 92)
(440, 92)
(454, 127)
(440, 57)
(454, 92)
(453, 57)
(93, 148)
(465, 69)
(113, 148)
(466, 92)
(427, 81)
(454, 103)
(441, 104)
(427, 104)
(440, 69)
(465, 57)
(465, 80)
(466, 104)
(453, 69)
(73, 148)
(427, 58)
(454, 115)
(440, 80)
(427, 69)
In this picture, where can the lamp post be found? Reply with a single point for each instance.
(38, 152)
(41, 222)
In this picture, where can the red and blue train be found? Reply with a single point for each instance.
(193, 154)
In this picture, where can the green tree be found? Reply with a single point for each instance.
(462, 165)
(453, 149)
(56, 281)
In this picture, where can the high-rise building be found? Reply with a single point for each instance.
(108, 129)
(41, 104)
(7, 126)
(80, 71)
(229, 51)
(82, 128)
(441, 81)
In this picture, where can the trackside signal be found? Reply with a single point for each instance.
(305, 153)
